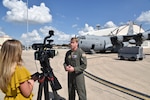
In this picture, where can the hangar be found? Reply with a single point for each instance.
(3, 39)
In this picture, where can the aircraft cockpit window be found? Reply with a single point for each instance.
(82, 37)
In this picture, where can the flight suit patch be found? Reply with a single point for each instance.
(74, 56)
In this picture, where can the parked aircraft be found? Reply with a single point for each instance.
(92, 43)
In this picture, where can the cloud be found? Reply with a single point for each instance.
(18, 12)
(37, 36)
(2, 33)
(144, 17)
(109, 24)
(86, 29)
(59, 36)
(31, 37)
(75, 25)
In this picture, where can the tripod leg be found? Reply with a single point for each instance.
(54, 91)
(55, 95)
(40, 91)
(46, 92)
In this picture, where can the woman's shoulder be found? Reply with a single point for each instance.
(20, 75)
(21, 70)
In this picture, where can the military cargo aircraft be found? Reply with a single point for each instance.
(92, 43)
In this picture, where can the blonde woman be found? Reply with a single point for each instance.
(15, 79)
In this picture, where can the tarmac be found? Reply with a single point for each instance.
(130, 74)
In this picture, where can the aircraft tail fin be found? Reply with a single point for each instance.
(130, 30)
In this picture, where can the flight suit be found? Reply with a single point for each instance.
(76, 81)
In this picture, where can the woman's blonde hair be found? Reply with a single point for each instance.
(10, 54)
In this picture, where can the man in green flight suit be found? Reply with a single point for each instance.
(75, 63)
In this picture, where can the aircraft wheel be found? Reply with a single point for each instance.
(140, 58)
(102, 51)
(121, 58)
(133, 59)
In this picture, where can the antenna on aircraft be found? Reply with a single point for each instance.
(98, 26)
(140, 28)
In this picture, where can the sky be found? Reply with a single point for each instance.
(30, 20)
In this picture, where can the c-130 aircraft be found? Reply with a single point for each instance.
(93, 43)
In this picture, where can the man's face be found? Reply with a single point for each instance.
(73, 45)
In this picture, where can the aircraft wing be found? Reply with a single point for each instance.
(139, 38)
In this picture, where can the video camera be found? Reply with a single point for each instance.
(44, 49)
(43, 53)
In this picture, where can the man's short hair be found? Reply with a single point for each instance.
(74, 39)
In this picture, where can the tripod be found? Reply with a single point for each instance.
(47, 76)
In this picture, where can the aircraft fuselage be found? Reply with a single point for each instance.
(96, 43)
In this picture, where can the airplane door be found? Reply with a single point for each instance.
(93, 46)
(102, 46)
(99, 45)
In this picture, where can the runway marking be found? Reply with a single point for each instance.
(128, 91)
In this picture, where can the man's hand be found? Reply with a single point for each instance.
(69, 68)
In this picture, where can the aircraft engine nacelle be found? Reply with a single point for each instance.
(116, 40)
(132, 41)
(146, 35)
(120, 38)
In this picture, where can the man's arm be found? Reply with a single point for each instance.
(83, 63)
